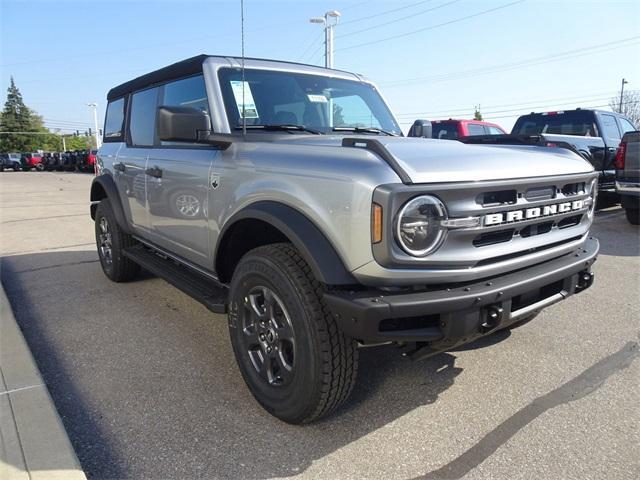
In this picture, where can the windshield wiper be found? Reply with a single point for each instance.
(363, 130)
(284, 127)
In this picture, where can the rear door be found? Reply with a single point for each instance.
(178, 182)
(132, 158)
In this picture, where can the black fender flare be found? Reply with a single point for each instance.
(108, 185)
(311, 243)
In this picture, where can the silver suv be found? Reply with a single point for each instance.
(286, 196)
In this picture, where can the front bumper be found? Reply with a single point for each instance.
(451, 315)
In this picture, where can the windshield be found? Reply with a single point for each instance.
(314, 101)
(581, 123)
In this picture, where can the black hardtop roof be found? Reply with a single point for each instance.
(184, 68)
(567, 110)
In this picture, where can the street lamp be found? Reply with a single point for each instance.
(95, 123)
(329, 21)
(624, 82)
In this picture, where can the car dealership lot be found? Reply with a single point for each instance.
(146, 383)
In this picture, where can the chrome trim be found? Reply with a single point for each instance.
(631, 187)
(373, 273)
(545, 302)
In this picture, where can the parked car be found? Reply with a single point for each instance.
(10, 161)
(69, 160)
(30, 161)
(595, 134)
(317, 227)
(91, 160)
(456, 129)
(627, 165)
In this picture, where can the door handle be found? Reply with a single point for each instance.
(120, 167)
(154, 172)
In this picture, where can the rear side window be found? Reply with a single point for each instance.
(114, 121)
(444, 131)
(610, 127)
(142, 123)
(475, 129)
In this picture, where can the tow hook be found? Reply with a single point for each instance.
(492, 318)
(585, 279)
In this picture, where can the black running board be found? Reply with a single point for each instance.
(207, 291)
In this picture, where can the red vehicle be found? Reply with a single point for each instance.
(455, 129)
(31, 160)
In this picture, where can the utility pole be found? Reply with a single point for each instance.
(329, 21)
(95, 122)
(621, 94)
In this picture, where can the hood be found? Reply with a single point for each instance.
(428, 160)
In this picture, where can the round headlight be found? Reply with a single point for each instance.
(419, 229)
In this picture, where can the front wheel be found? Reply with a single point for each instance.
(633, 215)
(296, 362)
(111, 242)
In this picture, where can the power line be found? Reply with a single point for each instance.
(603, 47)
(361, 19)
(521, 106)
(396, 20)
(380, 40)
(316, 37)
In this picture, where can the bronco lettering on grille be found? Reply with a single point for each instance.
(535, 212)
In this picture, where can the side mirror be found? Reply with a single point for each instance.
(182, 124)
(420, 128)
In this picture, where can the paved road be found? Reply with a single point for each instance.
(145, 381)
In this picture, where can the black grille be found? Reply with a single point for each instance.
(493, 237)
(503, 197)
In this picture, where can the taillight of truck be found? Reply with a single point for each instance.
(620, 154)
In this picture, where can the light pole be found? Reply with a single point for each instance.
(621, 93)
(329, 21)
(95, 122)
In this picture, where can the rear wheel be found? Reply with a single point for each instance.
(633, 215)
(111, 242)
(292, 356)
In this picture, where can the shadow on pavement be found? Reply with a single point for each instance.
(622, 238)
(146, 384)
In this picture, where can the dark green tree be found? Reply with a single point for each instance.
(476, 114)
(17, 117)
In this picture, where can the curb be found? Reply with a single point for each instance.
(33, 442)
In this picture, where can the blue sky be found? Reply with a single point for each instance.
(432, 59)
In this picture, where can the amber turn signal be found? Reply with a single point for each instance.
(376, 223)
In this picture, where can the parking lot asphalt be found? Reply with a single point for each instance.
(145, 381)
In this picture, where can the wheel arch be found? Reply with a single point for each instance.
(268, 222)
(103, 186)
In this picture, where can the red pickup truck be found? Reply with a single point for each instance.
(453, 129)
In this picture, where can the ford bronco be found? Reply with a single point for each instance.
(286, 196)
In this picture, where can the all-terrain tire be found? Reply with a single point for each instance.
(324, 361)
(633, 215)
(111, 241)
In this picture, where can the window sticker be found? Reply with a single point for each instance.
(250, 110)
(317, 98)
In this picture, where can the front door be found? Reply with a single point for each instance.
(178, 181)
(177, 198)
